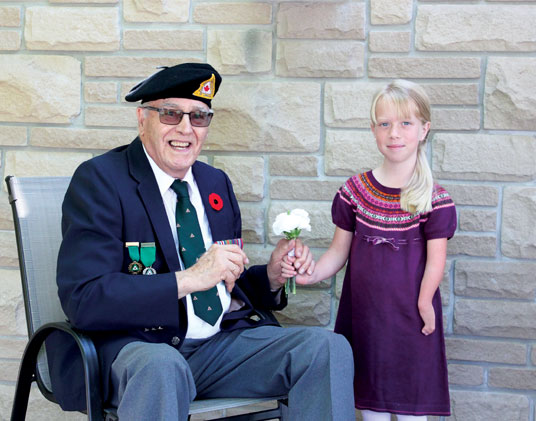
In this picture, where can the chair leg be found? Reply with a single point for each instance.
(24, 383)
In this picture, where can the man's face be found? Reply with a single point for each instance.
(174, 148)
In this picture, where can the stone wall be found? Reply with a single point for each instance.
(291, 125)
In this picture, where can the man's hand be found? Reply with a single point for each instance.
(301, 263)
(219, 263)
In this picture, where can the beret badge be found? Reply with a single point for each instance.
(206, 88)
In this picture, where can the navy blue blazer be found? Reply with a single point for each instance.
(114, 199)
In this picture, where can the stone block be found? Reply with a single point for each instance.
(258, 254)
(347, 104)
(84, 1)
(251, 13)
(337, 20)
(510, 94)
(13, 136)
(506, 319)
(104, 92)
(452, 93)
(389, 42)
(160, 39)
(475, 27)
(57, 137)
(72, 28)
(32, 86)
(478, 220)
(12, 317)
(444, 286)
(10, 16)
(385, 12)
(136, 67)
(472, 245)
(171, 11)
(424, 67)
(473, 195)
(533, 355)
(246, 119)
(6, 214)
(235, 52)
(484, 157)
(295, 165)
(518, 231)
(111, 116)
(465, 375)
(485, 406)
(350, 152)
(455, 119)
(480, 350)
(306, 308)
(246, 174)
(13, 346)
(320, 58)
(512, 378)
(9, 370)
(8, 249)
(10, 40)
(501, 279)
(252, 223)
(26, 163)
(289, 189)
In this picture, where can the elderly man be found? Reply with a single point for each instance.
(151, 266)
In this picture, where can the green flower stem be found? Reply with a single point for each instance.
(290, 285)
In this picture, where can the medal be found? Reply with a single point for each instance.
(149, 271)
(148, 256)
(133, 251)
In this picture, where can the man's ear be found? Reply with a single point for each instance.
(140, 114)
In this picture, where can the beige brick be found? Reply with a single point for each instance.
(13, 346)
(507, 319)
(533, 355)
(347, 104)
(25, 163)
(9, 369)
(495, 279)
(12, 317)
(350, 152)
(304, 58)
(234, 52)
(246, 119)
(473, 195)
(10, 16)
(148, 39)
(254, 13)
(321, 20)
(295, 165)
(322, 228)
(386, 12)
(477, 220)
(13, 136)
(455, 119)
(289, 189)
(518, 233)
(424, 67)
(84, 1)
(444, 286)
(465, 375)
(306, 307)
(510, 93)
(8, 249)
(137, 67)
(32, 86)
(6, 214)
(482, 350)
(57, 137)
(452, 93)
(512, 378)
(481, 27)
(485, 406)
(105, 92)
(111, 116)
(252, 223)
(156, 10)
(389, 42)
(72, 28)
(10, 40)
(246, 174)
(472, 245)
(484, 157)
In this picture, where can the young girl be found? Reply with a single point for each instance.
(392, 226)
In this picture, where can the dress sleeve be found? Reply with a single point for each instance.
(343, 209)
(441, 221)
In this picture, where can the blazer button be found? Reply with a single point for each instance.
(175, 340)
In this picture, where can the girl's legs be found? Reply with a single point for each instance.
(386, 416)
(412, 418)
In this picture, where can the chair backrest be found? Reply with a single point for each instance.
(36, 204)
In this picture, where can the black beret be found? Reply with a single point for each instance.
(199, 81)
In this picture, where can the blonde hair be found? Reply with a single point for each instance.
(408, 98)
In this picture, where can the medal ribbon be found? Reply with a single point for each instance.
(133, 251)
(148, 254)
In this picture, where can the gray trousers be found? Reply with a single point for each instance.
(312, 365)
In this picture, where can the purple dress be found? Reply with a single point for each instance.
(397, 368)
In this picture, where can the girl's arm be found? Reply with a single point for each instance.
(436, 250)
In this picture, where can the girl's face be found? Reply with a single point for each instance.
(397, 136)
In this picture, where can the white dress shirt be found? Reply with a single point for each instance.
(197, 328)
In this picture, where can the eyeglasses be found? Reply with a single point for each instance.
(169, 116)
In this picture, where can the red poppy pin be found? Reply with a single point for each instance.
(215, 201)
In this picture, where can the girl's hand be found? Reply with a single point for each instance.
(302, 277)
(428, 317)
